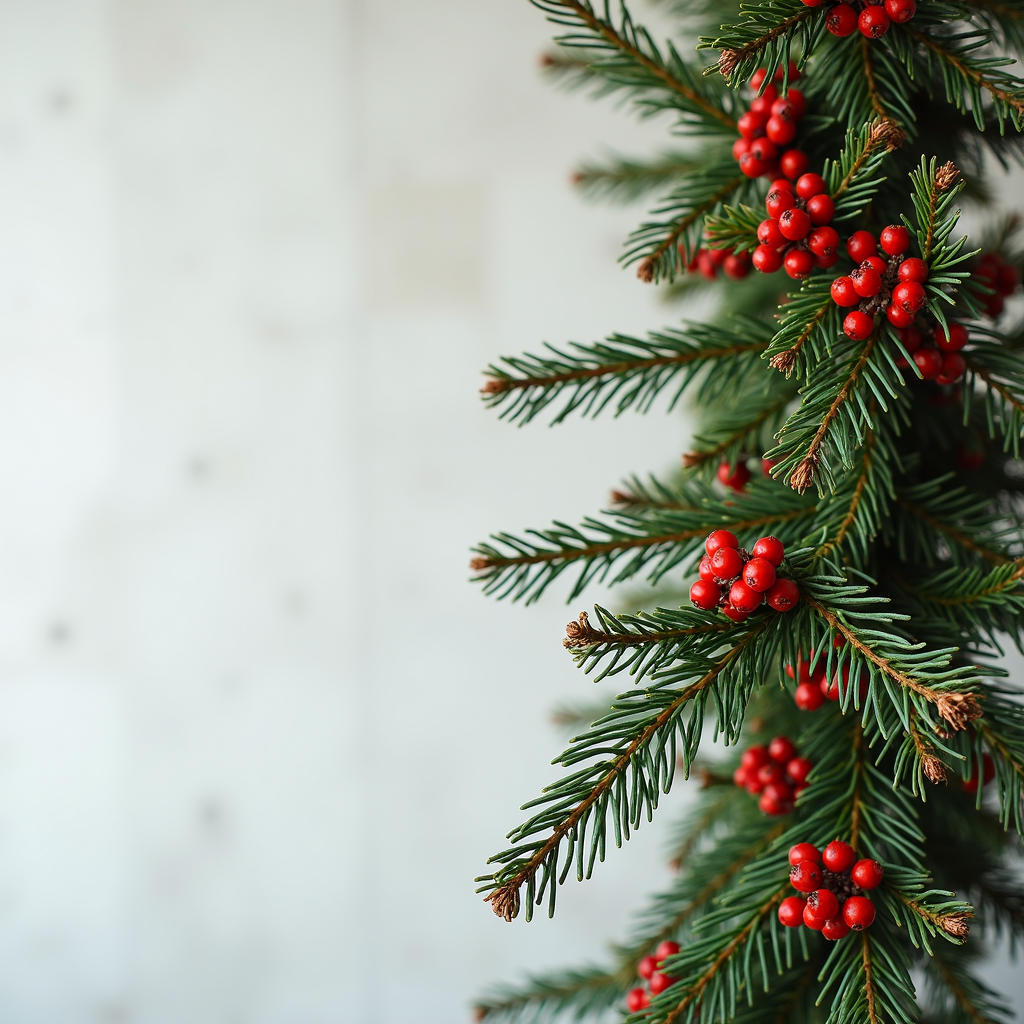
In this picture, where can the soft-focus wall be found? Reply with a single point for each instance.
(257, 733)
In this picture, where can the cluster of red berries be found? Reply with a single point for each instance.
(834, 881)
(814, 688)
(709, 261)
(936, 353)
(638, 999)
(738, 581)
(895, 285)
(871, 17)
(768, 127)
(797, 234)
(1002, 277)
(774, 773)
(737, 477)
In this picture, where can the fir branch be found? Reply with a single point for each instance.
(959, 538)
(967, 1000)
(853, 179)
(624, 180)
(733, 432)
(808, 317)
(1000, 372)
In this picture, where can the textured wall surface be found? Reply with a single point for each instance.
(257, 734)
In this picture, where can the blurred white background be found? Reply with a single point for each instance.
(257, 732)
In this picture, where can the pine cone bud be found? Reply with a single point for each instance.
(477, 564)
(958, 709)
(784, 361)
(727, 62)
(886, 132)
(934, 769)
(803, 475)
(956, 925)
(505, 902)
(691, 459)
(947, 176)
(580, 634)
(646, 271)
(623, 498)
(492, 387)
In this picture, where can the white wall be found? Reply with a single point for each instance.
(257, 733)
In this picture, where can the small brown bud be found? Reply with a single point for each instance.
(784, 361)
(546, 60)
(646, 271)
(581, 633)
(886, 132)
(479, 1014)
(956, 925)
(477, 564)
(624, 498)
(727, 62)
(803, 476)
(934, 769)
(958, 709)
(691, 459)
(504, 902)
(492, 387)
(947, 176)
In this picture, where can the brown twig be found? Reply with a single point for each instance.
(581, 634)
(954, 923)
(858, 496)
(731, 58)
(869, 985)
(698, 458)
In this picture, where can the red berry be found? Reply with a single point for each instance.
(820, 209)
(913, 269)
(798, 768)
(894, 240)
(813, 3)
(751, 125)
(826, 261)
(759, 574)
(754, 757)
(719, 256)
(764, 150)
(751, 166)
(803, 851)
(720, 539)
(809, 697)
(757, 78)
(841, 20)
(838, 857)
(783, 595)
(1008, 279)
(929, 362)
(867, 874)
(646, 967)
(952, 341)
(830, 688)
(659, 982)
(767, 259)
(858, 912)
(666, 949)
(909, 295)
(794, 224)
(739, 147)
(778, 201)
(835, 929)
(706, 572)
(823, 241)
(866, 282)
(900, 10)
(793, 163)
(771, 549)
(783, 183)
(736, 266)
(809, 185)
(823, 904)
(706, 265)
(844, 293)
(858, 326)
(860, 245)
(795, 99)
(910, 337)
(953, 368)
(811, 921)
(743, 599)
(727, 563)
(777, 798)
(734, 613)
(781, 749)
(798, 263)
(791, 911)
(637, 1000)
(873, 22)
(898, 316)
(737, 478)
(877, 264)
(781, 130)
(988, 773)
(768, 233)
(705, 595)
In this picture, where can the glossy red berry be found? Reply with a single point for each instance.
(782, 595)
(898, 316)
(764, 150)
(929, 362)
(910, 338)
(647, 966)
(909, 295)
(841, 20)
(759, 574)
(727, 563)
(804, 851)
(755, 756)
(794, 97)
(809, 185)
(844, 293)
(953, 368)
(768, 233)
(751, 125)
(866, 282)
(739, 147)
(793, 163)
(873, 22)
(823, 904)
(858, 326)
(666, 949)
(777, 798)
(913, 269)
(751, 166)
(781, 750)
(835, 929)
(705, 570)
(798, 768)
(737, 477)
(794, 224)
(813, 3)
(838, 856)
(791, 912)
(858, 913)
(809, 697)
(952, 340)
(767, 259)
(811, 920)
(805, 876)
(894, 240)
(736, 266)
(860, 245)
(659, 982)
(771, 549)
(867, 874)
(823, 241)
(778, 201)
(799, 263)
(720, 539)
(781, 130)
(743, 599)
(757, 78)
(734, 613)
(900, 10)
(637, 1000)
(705, 595)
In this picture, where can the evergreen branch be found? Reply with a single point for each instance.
(625, 180)
(629, 372)
(956, 535)
(869, 984)
(853, 178)
(869, 76)
(1001, 371)
(733, 431)
(975, 1002)
(809, 315)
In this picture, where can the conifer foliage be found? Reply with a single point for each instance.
(860, 396)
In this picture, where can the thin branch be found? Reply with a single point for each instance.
(953, 923)
(730, 58)
(952, 602)
(869, 74)
(869, 985)
(698, 458)
(581, 634)
(785, 361)
(858, 496)
(986, 376)
(959, 994)
(952, 532)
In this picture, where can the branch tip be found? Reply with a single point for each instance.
(727, 62)
(947, 176)
(934, 769)
(478, 564)
(886, 132)
(958, 709)
(956, 925)
(803, 476)
(504, 902)
(646, 271)
(580, 633)
(691, 459)
(784, 361)
(492, 387)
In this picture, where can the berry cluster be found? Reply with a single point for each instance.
(709, 261)
(834, 881)
(768, 127)
(936, 353)
(895, 285)
(774, 773)
(797, 234)
(1002, 277)
(814, 688)
(638, 999)
(737, 477)
(738, 581)
(871, 17)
